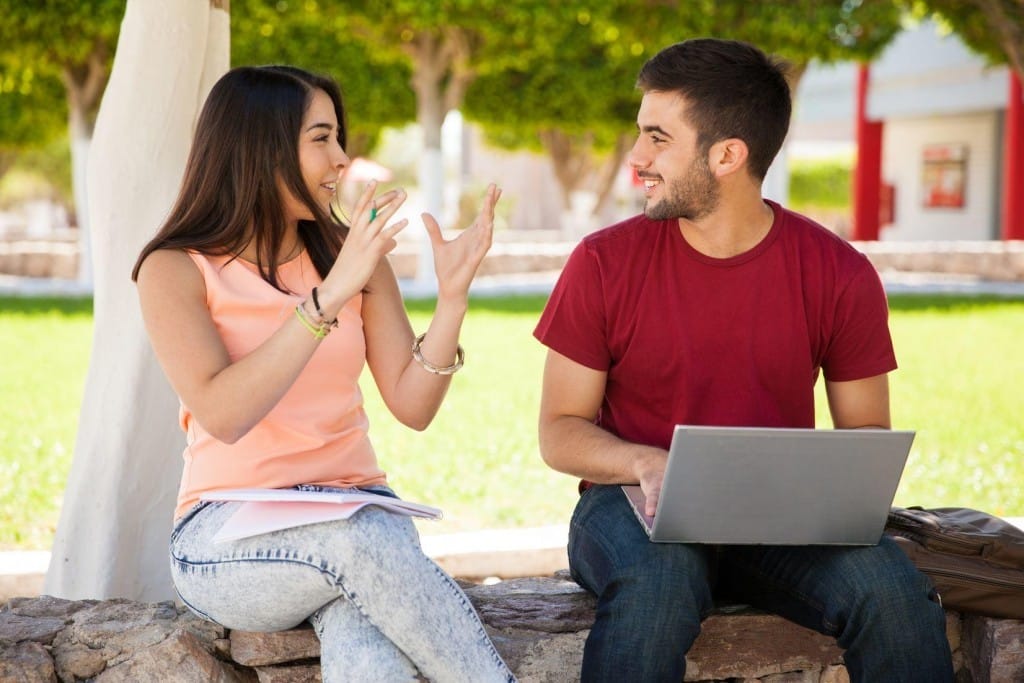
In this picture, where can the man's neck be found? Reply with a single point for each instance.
(735, 227)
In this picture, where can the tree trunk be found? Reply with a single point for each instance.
(84, 84)
(441, 74)
(610, 170)
(112, 537)
(580, 172)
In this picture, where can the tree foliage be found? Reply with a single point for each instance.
(315, 36)
(577, 99)
(993, 28)
(53, 54)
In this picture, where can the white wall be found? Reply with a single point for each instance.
(929, 89)
(926, 73)
(903, 145)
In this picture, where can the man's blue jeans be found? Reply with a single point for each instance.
(653, 596)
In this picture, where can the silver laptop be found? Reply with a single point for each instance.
(760, 486)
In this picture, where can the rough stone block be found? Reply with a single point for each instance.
(993, 649)
(289, 674)
(260, 649)
(179, 658)
(754, 645)
(15, 628)
(27, 662)
(835, 674)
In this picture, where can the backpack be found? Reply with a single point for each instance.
(974, 559)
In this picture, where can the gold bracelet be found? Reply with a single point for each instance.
(460, 356)
(318, 331)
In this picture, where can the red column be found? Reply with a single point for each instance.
(867, 174)
(1013, 164)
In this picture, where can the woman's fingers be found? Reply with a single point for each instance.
(380, 210)
(487, 206)
(433, 229)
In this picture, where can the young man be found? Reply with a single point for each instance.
(717, 307)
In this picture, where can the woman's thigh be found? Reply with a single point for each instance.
(263, 583)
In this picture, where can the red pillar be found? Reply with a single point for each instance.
(867, 174)
(1013, 164)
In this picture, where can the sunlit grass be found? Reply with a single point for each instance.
(959, 385)
(44, 354)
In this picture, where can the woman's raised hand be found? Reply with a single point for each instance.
(369, 237)
(456, 261)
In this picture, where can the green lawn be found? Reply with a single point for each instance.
(962, 363)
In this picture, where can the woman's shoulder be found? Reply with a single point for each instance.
(166, 268)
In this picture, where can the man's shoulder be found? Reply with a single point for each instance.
(813, 236)
(633, 229)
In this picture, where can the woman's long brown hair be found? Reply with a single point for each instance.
(246, 138)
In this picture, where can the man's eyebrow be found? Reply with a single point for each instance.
(320, 125)
(653, 129)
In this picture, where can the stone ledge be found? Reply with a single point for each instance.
(538, 624)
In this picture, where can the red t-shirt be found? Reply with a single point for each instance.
(689, 339)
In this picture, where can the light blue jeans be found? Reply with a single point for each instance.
(382, 609)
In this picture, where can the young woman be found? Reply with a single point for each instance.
(262, 311)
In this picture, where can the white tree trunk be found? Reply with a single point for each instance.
(112, 537)
(79, 163)
(776, 181)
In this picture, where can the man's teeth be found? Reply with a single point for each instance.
(650, 183)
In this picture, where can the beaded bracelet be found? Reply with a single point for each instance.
(460, 356)
(319, 311)
(318, 331)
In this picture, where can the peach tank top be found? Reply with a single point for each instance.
(317, 433)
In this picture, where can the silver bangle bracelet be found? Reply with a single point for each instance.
(460, 356)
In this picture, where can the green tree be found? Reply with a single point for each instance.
(447, 44)
(575, 102)
(33, 112)
(315, 36)
(993, 28)
(579, 101)
(52, 42)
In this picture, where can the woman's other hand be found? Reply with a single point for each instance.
(456, 261)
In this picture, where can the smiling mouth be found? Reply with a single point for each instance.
(330, 187)
(650, 184)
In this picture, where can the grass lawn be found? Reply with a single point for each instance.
(961, 365)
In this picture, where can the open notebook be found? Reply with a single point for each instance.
(264, 510)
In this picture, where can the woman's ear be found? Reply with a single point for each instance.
(728, 156)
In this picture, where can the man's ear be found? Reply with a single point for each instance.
(728, 156)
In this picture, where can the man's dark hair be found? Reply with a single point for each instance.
(732, 90)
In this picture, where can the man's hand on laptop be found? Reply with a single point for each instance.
(649, 468)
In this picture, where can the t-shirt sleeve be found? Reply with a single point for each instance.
(574, 320)
(860, 345)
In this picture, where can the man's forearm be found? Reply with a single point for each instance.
(578, 447)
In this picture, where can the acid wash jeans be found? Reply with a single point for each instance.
(383, 611)
(653, 596)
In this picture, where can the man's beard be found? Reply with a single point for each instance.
(692, 197)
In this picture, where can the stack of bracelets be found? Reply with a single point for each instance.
(319, 328)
